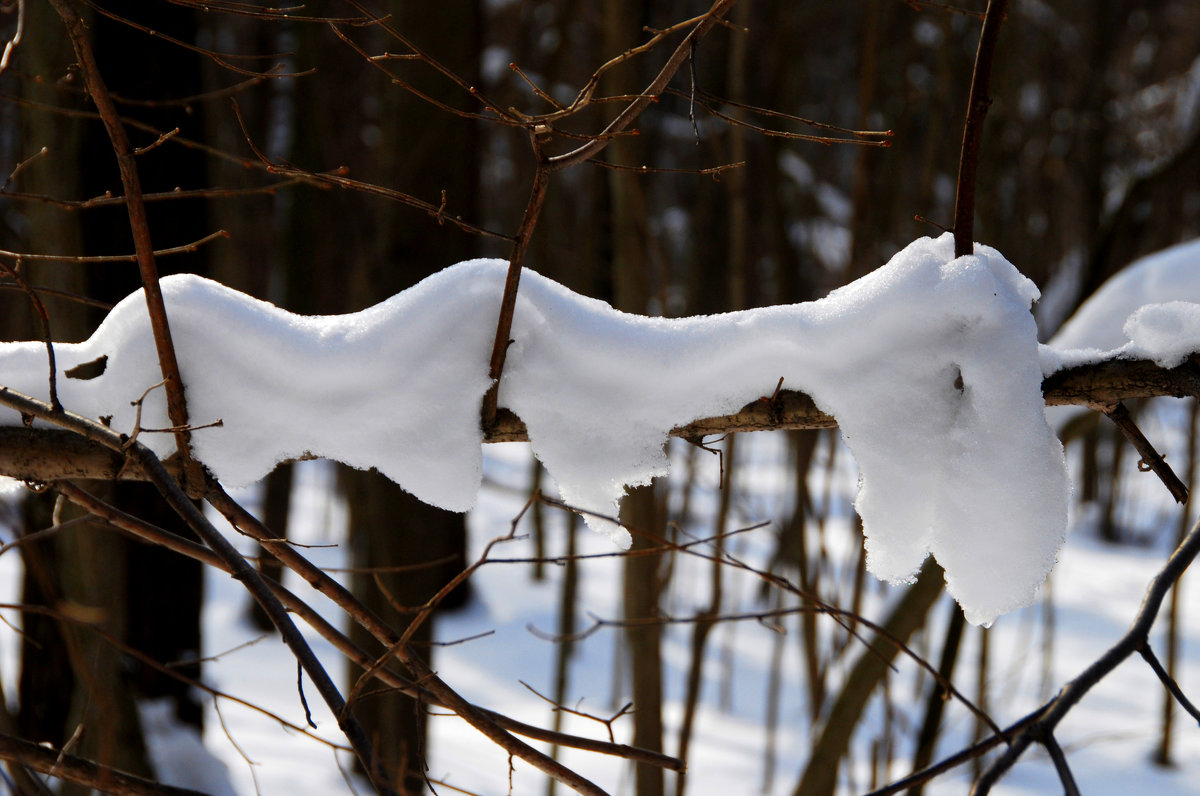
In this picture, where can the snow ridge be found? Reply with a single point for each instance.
(930, 365)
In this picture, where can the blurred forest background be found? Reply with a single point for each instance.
(1091, 158)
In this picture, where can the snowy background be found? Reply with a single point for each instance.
(1096, 588)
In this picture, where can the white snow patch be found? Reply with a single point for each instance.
(177, 753)
(1147, 310)
(930, 364)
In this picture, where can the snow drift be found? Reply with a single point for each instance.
(930, 364)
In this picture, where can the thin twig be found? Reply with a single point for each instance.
(15, 41)
(85, 772)
(1169, 682)
(703, 25)
(187, 248)
(1151, 458)
(221, 59)
(977, 108)
(44, 320)
(12, 175)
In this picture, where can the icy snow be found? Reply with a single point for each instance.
(930, 365)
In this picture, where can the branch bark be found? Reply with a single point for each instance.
(85, 772)
(43, 455)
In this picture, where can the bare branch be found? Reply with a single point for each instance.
(15, 41)
(76, 769)
(186, 248)
(138, 223)
(239, 567)
(589, 150)
(977, 108)
(1151, 459)
(43, 455)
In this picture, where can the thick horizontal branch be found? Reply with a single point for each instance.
(84, 772)
(1107, 383)
(43, 455)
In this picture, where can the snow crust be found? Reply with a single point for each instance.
(930, 365)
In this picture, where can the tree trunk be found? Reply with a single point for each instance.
(820, 773)
(144, 597)
(345, 251)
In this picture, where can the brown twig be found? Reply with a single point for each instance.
(15, 40)
(608, 723)
(12, 175)
(60, 294)
(338, 179)
(712, 171)
(162, 139)
(44, 319)
(221, 59)
(512, 281)
(449, 74)
(84, 772)
(1151, 458)
(186, 248)
(108, 199)
(977, 108)
(703, 24)
(138, 224)
(539, 132)
(860, 139)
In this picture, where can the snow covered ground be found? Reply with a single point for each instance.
(1096, 588)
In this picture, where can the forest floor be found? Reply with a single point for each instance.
(1110, 738)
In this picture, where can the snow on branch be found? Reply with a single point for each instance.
(930, 365)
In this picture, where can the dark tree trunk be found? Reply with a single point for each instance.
(148, 599)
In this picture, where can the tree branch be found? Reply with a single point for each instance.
(339, 640)
(239, 567)
(1133, 642)
(977, 108)
(43, 455)
(84, 772)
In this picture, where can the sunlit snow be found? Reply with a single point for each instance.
(1148, 310)
(930, 364)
